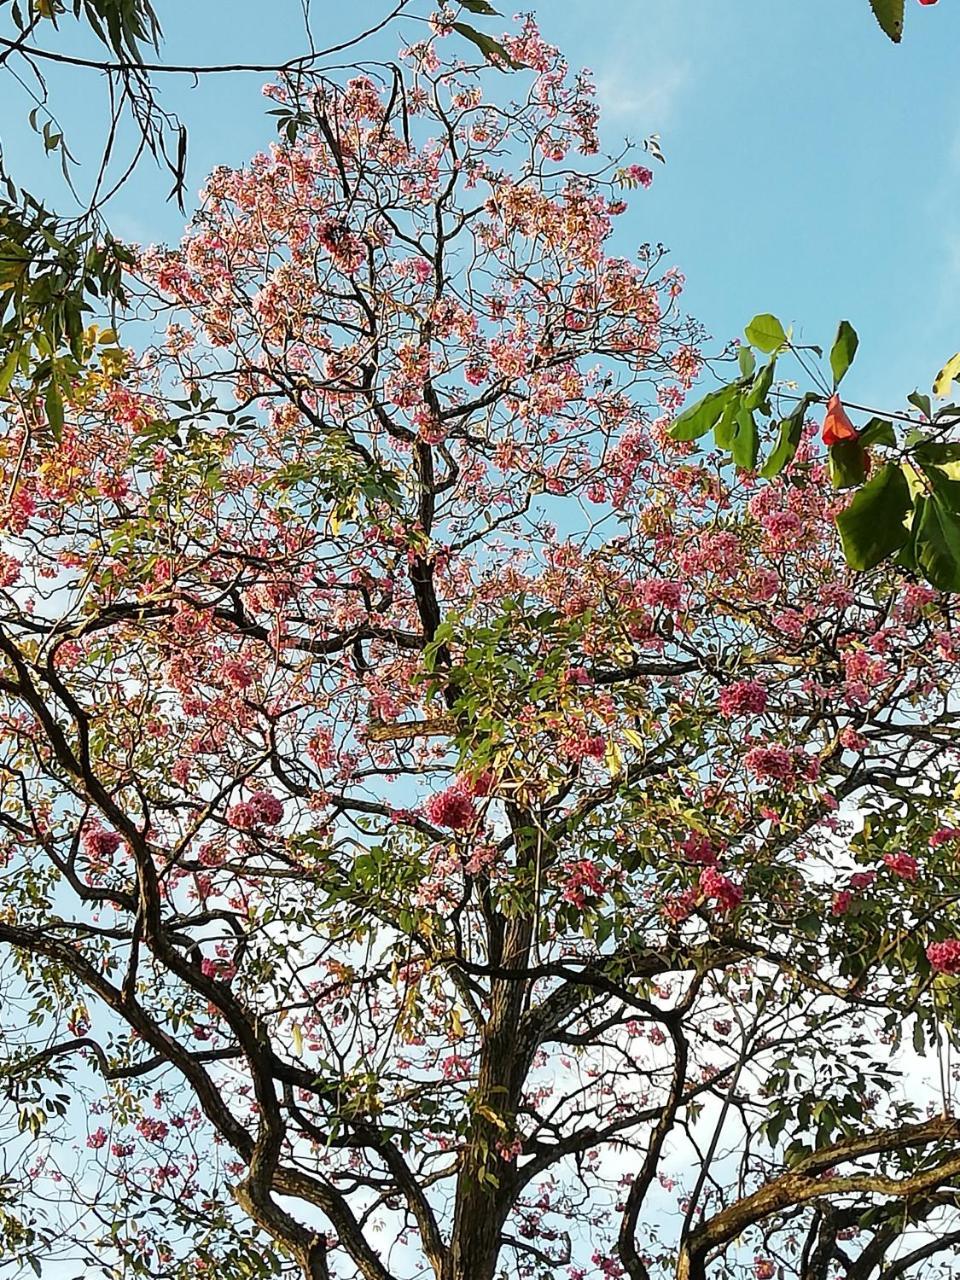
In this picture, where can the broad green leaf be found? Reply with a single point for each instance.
(871, 528)
(761, 386)
(53, 404)
(937, 544)
(788, 439)
(889, 13)
(701, 417)
(746, 443)
(946, 376)
(878, 431)
(847, 464)
(725, 429)
(478, 6)
(766, 333)
(844, 349)
(747, 361)
(8, 370)
(921, 402)
(492, 50)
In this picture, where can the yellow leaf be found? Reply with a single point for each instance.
(613, 759)
(945, 377)
(297, 1036)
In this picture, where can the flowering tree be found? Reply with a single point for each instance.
(450, 828)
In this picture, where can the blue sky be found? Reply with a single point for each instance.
(813, 167)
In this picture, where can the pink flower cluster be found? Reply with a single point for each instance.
(699, 849)
(944, 957)
(901, 864)
(583, 881)
(263, 809)
(453, 808)
(745, 698)
(714, 884)
(772, 762)
(100, 843)
(661, 593)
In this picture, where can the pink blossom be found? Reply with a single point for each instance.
(100, 843)
(267, 807)
(699, 849)
(97, 1139)
(901, 864)
(452, 808)
(944, 957)
(745, 698)
(583, 880)
(659, 592)
(841, 902)
(771, 763)
(714, 884)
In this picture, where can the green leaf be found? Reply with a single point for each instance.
(747, 361)
(53, 404)
(788, 440)
(844, 349)
(878, 431)
(871, 528)
(946, 376)
(492, 50)
(8, 370)
(725, 430)
(746, 443)
(847, 464)
(889, 13)
(937, 543)
(700, 417)
(478, 6)
(761, 386)
(921, 402)
(766, 333)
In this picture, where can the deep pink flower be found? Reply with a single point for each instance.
(100, 843)
(452, 808)
(901, 864)
(714, 884)
(944, 957)
(267, 807)
(745, 698)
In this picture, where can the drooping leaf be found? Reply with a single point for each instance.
(746, 442)
(847, 464)
(747, 361)
(725, 429)
(758, 393)
(788, 439)
(872, 526)
(921, 402)
(944, 379)
(478, 6)
(702, 416)
(878, 431)
(492, 50)
(843, 350)
(766, 333)
(937, 543)
(889, 13)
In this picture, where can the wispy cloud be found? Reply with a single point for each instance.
(645, 102)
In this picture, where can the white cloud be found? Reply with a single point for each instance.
(646, 102)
